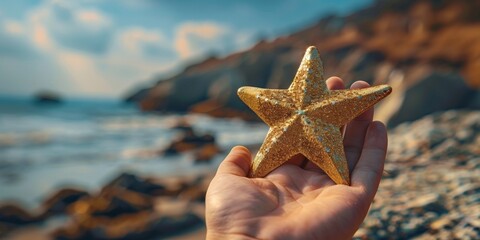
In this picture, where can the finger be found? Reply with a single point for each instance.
(369, 168)
(237, 162)
(355, 131)
(333, 83)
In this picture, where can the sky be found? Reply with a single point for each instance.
(107, 48)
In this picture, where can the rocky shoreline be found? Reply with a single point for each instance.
(128, 207)
(431, 188)
(430, 191)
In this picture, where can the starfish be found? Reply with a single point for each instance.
(307, 118)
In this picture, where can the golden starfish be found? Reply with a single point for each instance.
(306, 119)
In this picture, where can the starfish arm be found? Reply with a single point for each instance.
(271, 105)
(279, 146)
(324, 148)
(308, 83)
(342, 106)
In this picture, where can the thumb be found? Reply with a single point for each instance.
(237, 162)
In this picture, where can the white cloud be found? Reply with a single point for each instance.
(92, 18)
(193, 39)
(13, 27)
(135, 40)
(51, 37)
(84, 74)
(41, 38)
(70, 26)
(116, 71)
(138, 54)
(14, 42)
(80, 51)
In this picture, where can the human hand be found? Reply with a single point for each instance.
(293, 202)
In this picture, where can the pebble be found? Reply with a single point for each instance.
(433, 191)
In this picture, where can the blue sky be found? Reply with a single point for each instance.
(104, 48)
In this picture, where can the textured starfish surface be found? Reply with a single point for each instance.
(307, 118)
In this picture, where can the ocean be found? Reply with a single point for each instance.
(85, 143)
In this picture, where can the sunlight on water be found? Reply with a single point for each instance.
(43, 148)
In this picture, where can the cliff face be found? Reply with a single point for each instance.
(429, 51)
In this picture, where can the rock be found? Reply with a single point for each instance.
(433, 87)
(61, 200)
(413, 227)
(132, 226)
(137, 95)
(194, 194)
(167, 226)
(440, 223)
(138, 226)
(143, 224)
(206, 153)
(111, 202)
(466, 189)
(47, 97)
(434, 192)
(137, 184)
(189, 140)
(221, 110)
(127, 209)
(183, 125)
(475, 102)
(13, 214)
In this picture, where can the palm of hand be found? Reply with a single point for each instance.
(298, 203)
(295, 202)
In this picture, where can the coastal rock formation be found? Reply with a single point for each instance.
(420, 47)
(204, 146)
(132, 207)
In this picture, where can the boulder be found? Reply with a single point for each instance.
(157, 222)
(131, 226)
(175, 225)
(206, 153)
(138, 226)
(137, 184)
(59, 201)
(47, 97)
(437, 91)
(110, 203)
(14, 214)
(190, 140)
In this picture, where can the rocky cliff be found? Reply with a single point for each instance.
(429, 51)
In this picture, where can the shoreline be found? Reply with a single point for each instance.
(430, 192)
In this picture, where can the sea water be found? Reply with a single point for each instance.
(85, 143)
